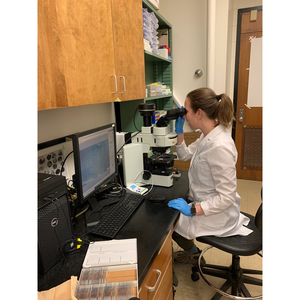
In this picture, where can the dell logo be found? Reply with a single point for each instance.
(54, 222)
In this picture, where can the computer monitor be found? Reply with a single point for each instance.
(95, 161)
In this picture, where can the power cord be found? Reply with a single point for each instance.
(62, 166)
(127, 141)
(78, 242)
(134, 181)
(138, 131)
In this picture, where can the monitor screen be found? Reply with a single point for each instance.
(94, 159)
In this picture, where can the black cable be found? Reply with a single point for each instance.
(120, 179)
(134, 119)
(127, 141)
(68, 242)
(62, 166)
(133, 135)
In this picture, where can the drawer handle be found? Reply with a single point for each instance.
(152, 289)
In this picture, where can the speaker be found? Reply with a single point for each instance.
(54, 221)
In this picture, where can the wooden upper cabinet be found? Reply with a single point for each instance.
(129, 48)
(80, 44)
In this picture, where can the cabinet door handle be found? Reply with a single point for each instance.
(115, 83)
(152, 289)
(124, 84)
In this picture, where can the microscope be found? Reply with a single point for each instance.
(138, 167)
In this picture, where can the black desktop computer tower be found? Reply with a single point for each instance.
(54, 220)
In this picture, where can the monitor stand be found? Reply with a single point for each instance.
(96, 205)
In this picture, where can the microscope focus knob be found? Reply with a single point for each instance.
(146, 176)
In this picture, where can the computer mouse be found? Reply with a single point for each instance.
(157, 198)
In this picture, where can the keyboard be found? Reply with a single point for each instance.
(110, 225)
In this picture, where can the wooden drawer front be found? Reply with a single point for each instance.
(157, 271)
(164, 289)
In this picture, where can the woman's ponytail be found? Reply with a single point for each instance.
(216, 107)
(225, 111)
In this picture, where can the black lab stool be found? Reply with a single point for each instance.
(237, 246)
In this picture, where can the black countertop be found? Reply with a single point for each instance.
(150, 224)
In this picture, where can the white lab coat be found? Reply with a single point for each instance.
(212, 183)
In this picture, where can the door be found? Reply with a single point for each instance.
(247, 129)
(129, 48)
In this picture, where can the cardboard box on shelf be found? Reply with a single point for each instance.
(151, 88)
(151, 94)
(163, 37)
(155, 117)
(166, 92)
(155, 4)
(158, 88)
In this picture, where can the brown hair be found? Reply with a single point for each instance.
(216, 107)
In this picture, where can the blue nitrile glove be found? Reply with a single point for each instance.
(181, 205)
(179, 123)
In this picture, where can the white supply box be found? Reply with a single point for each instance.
(147, 46)
(163, 53)
(155, 4)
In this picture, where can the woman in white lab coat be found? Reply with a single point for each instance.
(215, 209)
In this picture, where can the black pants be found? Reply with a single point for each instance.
(182, 242)
(185, 244)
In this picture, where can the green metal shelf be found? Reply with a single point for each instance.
(157, 97)
(157, 69)
(156, 58)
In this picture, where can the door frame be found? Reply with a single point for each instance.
(237, 58)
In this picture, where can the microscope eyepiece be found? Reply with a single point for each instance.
(173, 114)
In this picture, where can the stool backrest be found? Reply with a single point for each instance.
(258, 216)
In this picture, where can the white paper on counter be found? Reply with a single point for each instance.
(114, 252)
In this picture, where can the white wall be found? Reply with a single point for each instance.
(55, 123)
(60, 122)
(189, 34)
(190, 39)
(189, 24)
(221, 37)
(188, 19)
